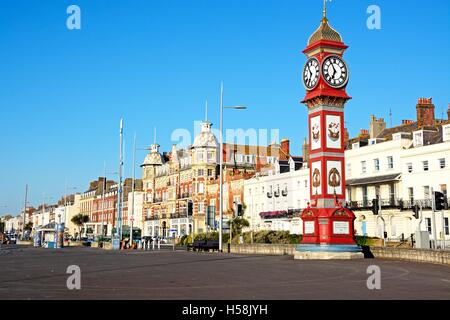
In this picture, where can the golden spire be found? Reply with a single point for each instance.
(325, 32)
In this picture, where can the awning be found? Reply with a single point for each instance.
(374, 180)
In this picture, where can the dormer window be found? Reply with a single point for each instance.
(446, 133)
(418, 139)
(355, 145)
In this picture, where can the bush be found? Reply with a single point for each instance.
(263, 237)
(273, 237)
(364, 241)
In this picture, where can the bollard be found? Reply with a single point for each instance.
(153, 245)
(229, 247)
(159, 244)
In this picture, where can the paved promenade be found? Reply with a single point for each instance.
(34, 273)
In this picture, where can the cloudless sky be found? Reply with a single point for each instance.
(155, 62)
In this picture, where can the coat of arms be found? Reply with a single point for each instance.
(334, 178)
(316, 178)
(316, 133)
(334, 131)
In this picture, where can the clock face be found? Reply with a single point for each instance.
(311, 73)
(335, 71)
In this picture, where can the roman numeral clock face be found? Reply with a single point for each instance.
(335, 72)
(311, 73)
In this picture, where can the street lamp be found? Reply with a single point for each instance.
(105, 183)
(221, 164)
(66, 188)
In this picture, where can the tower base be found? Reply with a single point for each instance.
(328, 252)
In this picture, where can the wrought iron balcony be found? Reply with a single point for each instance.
(277, 193)
(392, 203)
(269, 195)
(284, 193)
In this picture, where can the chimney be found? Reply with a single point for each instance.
(404, 122)
(425, 112)
(364, 133)
(305, 151)
(448, 112)
(285, 149)
(376, 126)
(346, 135)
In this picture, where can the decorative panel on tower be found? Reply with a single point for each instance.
(334, 177)
(316, 185)
(316, 133)
(334, 131)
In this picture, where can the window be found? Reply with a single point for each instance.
(446, 227)
(444, 189)
(426, 192)
(210, 172)
(201, 188)
(349, 169)
(409, 167)
(390, 163)
(377, 191)
(411, 194)
(210, 157)
(201, 172)
(201, 207)
(200, 156)
(428, 225)
(363, 166)
(376, 164)
(425, 165)
(306, 184)
(365, 196)
(442, 163)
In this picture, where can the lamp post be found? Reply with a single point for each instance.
(66, 188)
(221, 165)
(105, 183)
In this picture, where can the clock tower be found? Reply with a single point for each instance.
(328, 227)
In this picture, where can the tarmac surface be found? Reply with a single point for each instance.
(41, 274)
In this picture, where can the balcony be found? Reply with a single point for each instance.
(152, 218)
(284, 193)
(277, 194)
(269, 195)
(392, 203)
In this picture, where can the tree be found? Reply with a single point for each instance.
(238, 223)
(28, 226)
(80, 220)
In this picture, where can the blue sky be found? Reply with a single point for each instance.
(154, 62)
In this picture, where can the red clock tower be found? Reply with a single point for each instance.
(328, 227)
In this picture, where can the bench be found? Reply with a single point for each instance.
(203, 245)
(211, 245)
(197, 245)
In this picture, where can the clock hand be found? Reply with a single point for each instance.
(335, 70)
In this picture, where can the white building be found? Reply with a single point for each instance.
(402, 165)
(274, 202)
